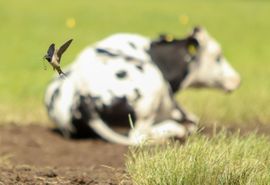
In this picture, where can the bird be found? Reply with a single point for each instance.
(54, 55)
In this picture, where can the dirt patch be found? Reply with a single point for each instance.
(60, 175)
(37, 155)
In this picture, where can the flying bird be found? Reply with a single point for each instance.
(54, 55)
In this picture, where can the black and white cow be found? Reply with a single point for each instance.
(128, 74)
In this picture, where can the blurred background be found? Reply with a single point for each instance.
(28, 27)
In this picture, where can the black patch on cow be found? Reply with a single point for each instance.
(117, 112)
(146, 50)
(53, 98)
(121, 74)
(138, 94)
(132, 45)
(185, 72)
(171, 58)
(129, 58)
(85, 109)
(140, 67)
(106, 52)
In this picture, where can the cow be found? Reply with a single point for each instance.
(132, 79)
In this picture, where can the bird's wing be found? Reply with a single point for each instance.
(51, 50)
(63, 48)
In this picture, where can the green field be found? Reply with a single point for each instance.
(28, 27)
(242, 28)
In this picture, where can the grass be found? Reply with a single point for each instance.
(224, 159)
(242, 28)
(5, 159)
(29, 27)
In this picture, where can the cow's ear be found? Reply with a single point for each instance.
(192, 46)
(196, 30)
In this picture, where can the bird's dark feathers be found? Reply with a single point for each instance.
(63, 48)
(51, 50)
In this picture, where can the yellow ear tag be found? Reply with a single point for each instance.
(192, 49)
(169, 38)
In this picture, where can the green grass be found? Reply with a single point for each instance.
(242, 28)
(5, 159)
(223, 159)
(29, 26)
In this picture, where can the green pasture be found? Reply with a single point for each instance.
(242, 27)
(29, 26)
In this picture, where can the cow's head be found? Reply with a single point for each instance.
(196, 61)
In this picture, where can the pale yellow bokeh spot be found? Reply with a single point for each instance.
(169, 38)
(183, 19)
(192, 49)
(70, 22)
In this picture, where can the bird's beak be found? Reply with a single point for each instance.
(47, 58)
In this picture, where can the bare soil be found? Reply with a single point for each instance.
(38, 155)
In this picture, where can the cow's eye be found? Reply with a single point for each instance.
(218, 59)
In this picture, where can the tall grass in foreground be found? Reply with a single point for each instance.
(223, 159)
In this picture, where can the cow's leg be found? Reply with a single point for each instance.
(141, 131)
(148, 133)
(168, 129)
(182, 116)
(172, 110)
